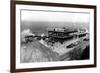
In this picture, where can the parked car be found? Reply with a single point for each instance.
(85, 39)
(71, 45)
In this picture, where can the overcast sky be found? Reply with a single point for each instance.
(54, 16)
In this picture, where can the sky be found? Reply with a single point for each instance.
(41, 21)
(50, 16)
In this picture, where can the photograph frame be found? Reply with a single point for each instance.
(13, 35)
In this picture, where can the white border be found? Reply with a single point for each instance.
(52, 64)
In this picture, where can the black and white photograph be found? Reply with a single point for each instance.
(54, 36)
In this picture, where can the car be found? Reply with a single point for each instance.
(85, 39)
(29, 38)
(71, 45)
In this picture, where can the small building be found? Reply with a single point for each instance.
(61, 36)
